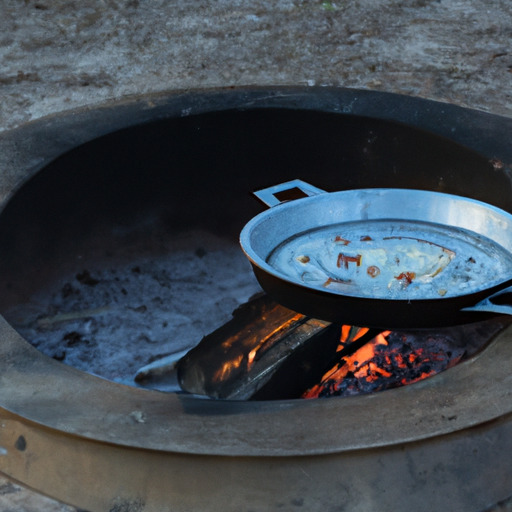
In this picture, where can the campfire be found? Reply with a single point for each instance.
(391, 359)
(297, 252)
(268, 352)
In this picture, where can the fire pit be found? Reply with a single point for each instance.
(441, 443)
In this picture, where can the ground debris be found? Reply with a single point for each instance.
(86, 278)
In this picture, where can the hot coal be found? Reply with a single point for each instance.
(395, 358)
(405, 359)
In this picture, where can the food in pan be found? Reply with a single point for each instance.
(386, 260)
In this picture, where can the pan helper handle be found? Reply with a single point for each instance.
(487, 306)
(267, 195)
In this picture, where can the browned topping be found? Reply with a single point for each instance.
(340, 240)
(303, 259)
(331, 280)
(345, 260)
(406, 277)
(373, 271)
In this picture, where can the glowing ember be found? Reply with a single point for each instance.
(391, 359)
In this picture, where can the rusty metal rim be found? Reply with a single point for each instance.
(66, 400)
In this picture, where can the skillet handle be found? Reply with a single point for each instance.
(487, 306)
(267, 194)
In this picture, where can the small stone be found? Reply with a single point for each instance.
(138, 416)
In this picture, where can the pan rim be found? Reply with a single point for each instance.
(245, 240)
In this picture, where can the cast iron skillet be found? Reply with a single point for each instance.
(476, 235)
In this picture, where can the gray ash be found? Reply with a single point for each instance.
(111, 310)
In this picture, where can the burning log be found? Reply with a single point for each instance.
(237, 359)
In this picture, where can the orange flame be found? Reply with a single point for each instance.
(252, 354)
(360, 363)
(224, 371)
(350, 333)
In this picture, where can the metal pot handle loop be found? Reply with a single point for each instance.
(486, 305)
(267, 194)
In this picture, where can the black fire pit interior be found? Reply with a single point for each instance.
(198, 172)
(190, 162)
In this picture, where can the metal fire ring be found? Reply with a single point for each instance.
(50, 412)
(53, 395)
